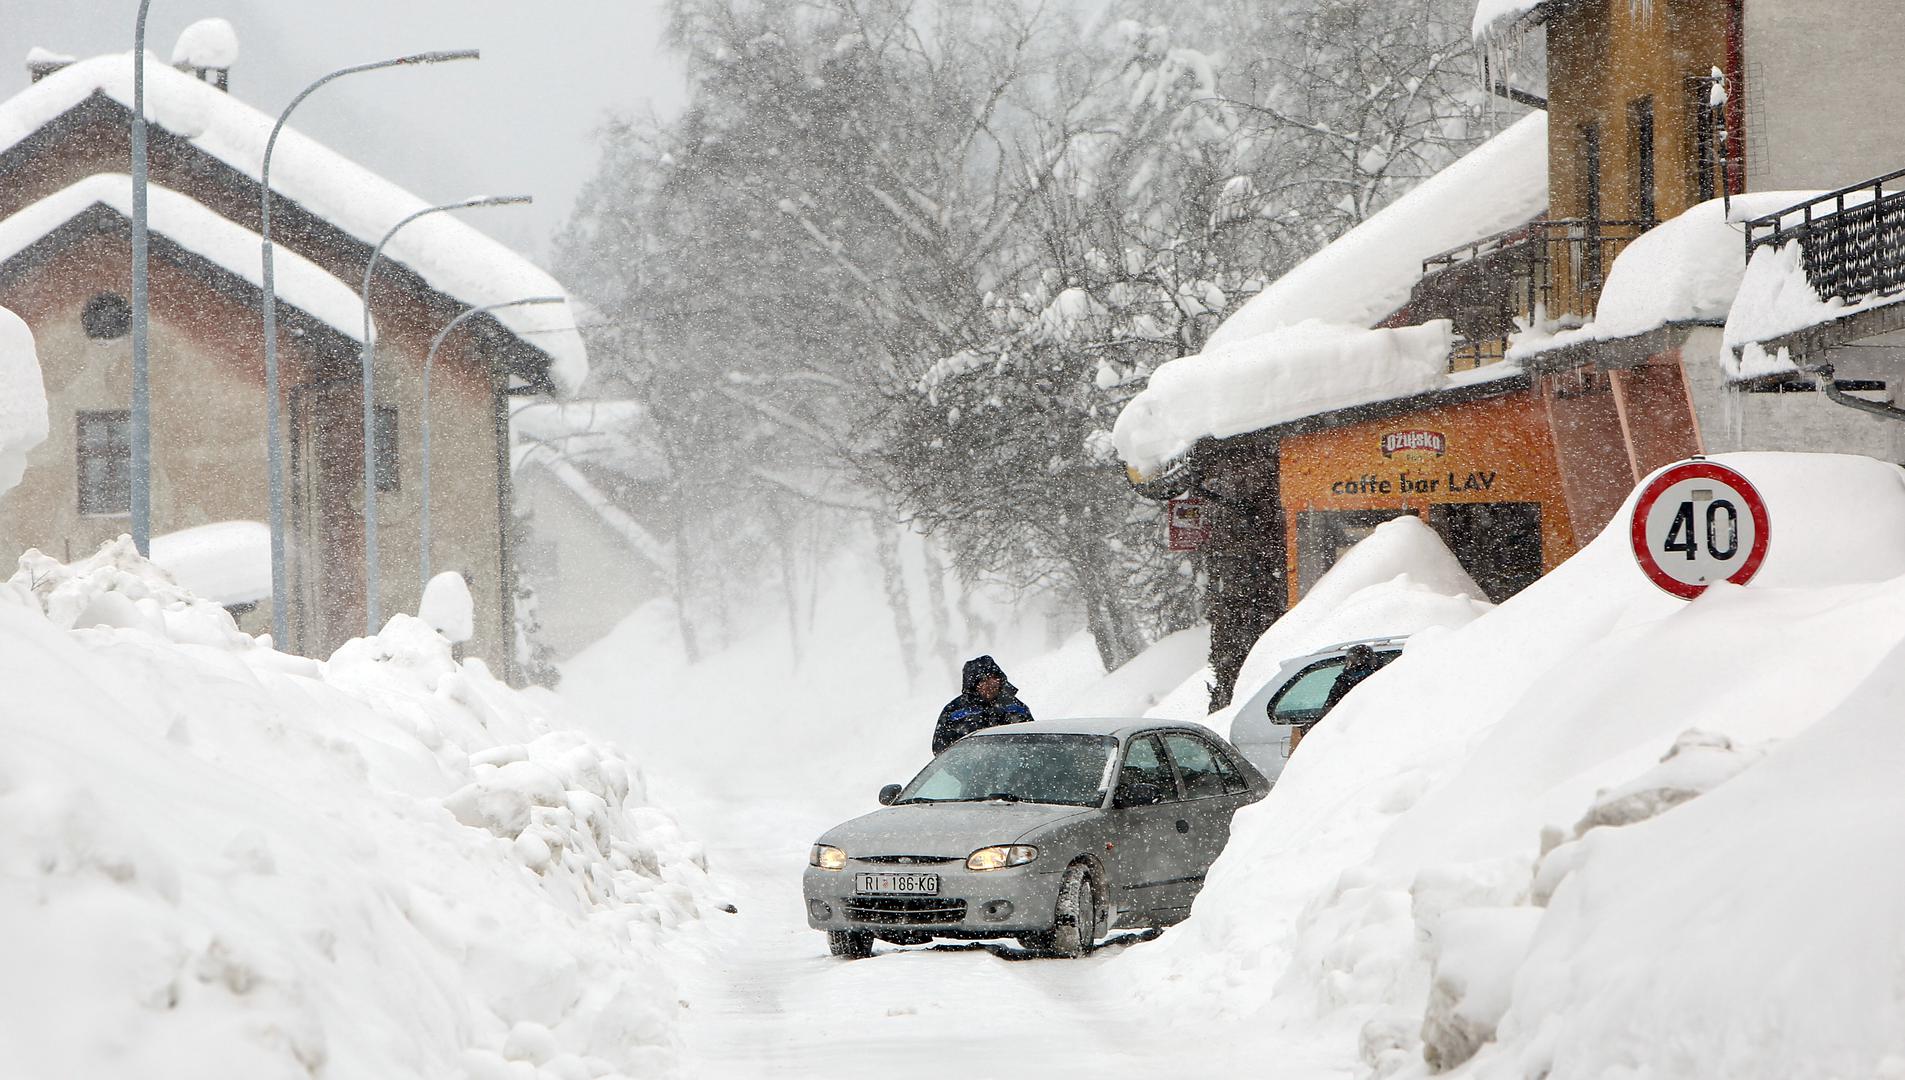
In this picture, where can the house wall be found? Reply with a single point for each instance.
(1816, 75)
(208, 461)
(1733, 420)
(468, 483)
(586, 578)
(1604, 55)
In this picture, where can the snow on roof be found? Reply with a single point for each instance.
(614, 434)
(1776, 299)
(41, 55)
(1367, 273)
(448, 254)
(207, 43)
(300, 282)
(1685, 270)
(22, 398)
(226, 562)
(1281, 375)
(1495, 17)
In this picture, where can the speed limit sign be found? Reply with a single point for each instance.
(1697, 523)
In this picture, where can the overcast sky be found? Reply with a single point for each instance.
(521, 119)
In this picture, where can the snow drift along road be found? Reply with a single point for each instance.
(1482, 852)
(221, 861)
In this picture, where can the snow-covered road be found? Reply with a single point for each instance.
(774, 1003)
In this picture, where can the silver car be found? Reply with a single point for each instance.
(1053, 832)
(1271, 722)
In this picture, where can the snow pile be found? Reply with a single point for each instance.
(232, 247)
(450, 255)
(1366, 274)
(207, 43)
(22, 398)
(446, 607)
(226, 562)
(1277, 376)
(222, 861)
(1776, 299)
(1685, 270)
(1582, 835)
(1494, 17)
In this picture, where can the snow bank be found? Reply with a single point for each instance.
(299, 282)
(207, 43)
(226, 562)
(22, 398)
(1280, 375)
(1366, 274)
(1494, 17)
(1389, 885)
(446, 607)
(221, 861)
(1685, 270)
(453, 257)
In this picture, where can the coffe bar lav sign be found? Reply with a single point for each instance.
(1696, 523)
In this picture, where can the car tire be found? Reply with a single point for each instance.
(1075, 925)
(851, 944)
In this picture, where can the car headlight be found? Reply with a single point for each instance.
(998, 858)
(827, 857)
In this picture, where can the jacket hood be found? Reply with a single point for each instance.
(978, 668)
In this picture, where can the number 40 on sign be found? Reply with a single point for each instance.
(1696, 523)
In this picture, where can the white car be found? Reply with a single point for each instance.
(1272, 720)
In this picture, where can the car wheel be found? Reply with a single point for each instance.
(1076, 925)
(852, 944)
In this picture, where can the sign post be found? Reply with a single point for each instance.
(1696, 523)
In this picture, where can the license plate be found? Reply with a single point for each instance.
(900, 884)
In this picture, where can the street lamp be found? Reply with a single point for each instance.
(370, 427)
(274, 449)
(429, 361)
(141, 419)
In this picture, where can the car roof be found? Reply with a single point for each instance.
(1118, 727)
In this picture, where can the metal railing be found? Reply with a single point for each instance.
(1552, 268)
(1851, 241)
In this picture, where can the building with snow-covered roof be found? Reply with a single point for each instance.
(64, 261)
(1587, 345)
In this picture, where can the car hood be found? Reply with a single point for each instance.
(951, 830)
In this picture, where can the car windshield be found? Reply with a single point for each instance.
(1068, 769)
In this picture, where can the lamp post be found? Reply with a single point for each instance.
(371, 579)
(140, 434)
(274, 449)
(429, 361)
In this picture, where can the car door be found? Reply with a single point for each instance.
(1213, 793)
(1144, 854)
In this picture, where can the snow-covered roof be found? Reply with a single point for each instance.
(226, 562)
(612, 433)
(448, 254)
(1281, 375)
(1367, 273)
(300, 283)
(1496, 17)
(1686, 270)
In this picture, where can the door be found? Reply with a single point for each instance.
(1145, 857)
(1213, 793)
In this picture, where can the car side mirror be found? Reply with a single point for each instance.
(1138, 793)
(889, 793)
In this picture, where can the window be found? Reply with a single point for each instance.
(385, 425)
(1144, 764)
(1197, 765)
(1302, 701)
(106, 316)
(1640, 120)
(1708, 120)
(104, 462)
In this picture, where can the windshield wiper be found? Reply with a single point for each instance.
(1000, 796)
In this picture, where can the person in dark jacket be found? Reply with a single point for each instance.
(1359, 663)
(986, 700)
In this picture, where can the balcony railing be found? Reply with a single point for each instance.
(1545, 270)
(1851, 241)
